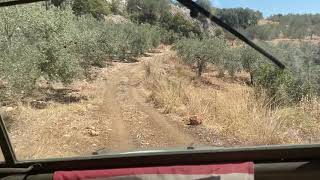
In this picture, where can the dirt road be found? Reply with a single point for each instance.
(135, 123)
(120, 120)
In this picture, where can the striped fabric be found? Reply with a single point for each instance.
(243, 171)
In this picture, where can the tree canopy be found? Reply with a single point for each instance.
(240, 17)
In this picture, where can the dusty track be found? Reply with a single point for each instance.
(136, 124)
(120, 121)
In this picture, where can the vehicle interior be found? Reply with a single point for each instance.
(270, 161)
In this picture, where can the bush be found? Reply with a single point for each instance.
(249, 60)
(37, 46)
(283, 86)
(179, 25)
(126, 41)
(97, 8)
(87, 45)
(147, 11)
(232, 60)
(200, 52)
(264, 32)
(300, 80)
(55, 44)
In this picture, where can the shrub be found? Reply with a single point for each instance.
(249, 59)
(200, 52)
(147, 11)
(97, 8)
(232, 60)
(36, 46)
(55, 44)
(300, 80)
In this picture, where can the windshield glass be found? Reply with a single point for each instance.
(87, 77)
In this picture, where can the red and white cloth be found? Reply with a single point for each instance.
(243, 171)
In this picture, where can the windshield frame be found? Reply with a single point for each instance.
(260, 154)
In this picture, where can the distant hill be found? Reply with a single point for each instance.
(291, 26)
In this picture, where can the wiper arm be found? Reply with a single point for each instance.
(17, 2)
(196, 9)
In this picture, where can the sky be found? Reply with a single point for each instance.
(270, 7)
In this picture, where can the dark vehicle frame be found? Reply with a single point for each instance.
(271, 162)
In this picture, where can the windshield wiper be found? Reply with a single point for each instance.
(195, 9)
(17, 2)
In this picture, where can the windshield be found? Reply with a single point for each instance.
(88, 77)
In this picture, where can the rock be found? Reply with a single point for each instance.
(67, 135)
(3, 84)
(195, 120)
(9, 109)
(75, 98)
(116, 19)
(42, 83)
(89, 106)
(38, 104)
(93, 133)
(91, 128)
(101, 152)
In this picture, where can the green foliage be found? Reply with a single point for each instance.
(179, 25)
(200, 52)
(239, 17)
(249, 59)
(282, 86)
(86, 43)
(206, 4)
(263, 32)
(232, 60)
(53, 43)
(288, 26)
(279, 84)
(147, 11)
(115, 7)
(300, 80)
(157, 13)
(126, 41)
(34, 44)
(20, 69)
(97, 8)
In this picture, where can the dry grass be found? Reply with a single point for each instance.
(229, 108)
(59, 130)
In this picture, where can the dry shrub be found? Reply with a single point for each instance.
(235, 111)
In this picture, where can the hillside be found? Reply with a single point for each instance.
(288, 27)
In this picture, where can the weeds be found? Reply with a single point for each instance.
(234, 111)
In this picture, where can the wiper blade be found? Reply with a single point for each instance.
(195, 9)
(6, 3)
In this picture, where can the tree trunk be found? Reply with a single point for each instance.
(251, 78)
(200, 67)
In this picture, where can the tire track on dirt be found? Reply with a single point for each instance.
(116, 119)
(157, 130)
(172, 134)
(119, 138)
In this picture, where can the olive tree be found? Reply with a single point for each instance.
(200, 52)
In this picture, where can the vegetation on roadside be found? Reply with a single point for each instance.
(300, 79)
(59, 46)
(231, 109)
